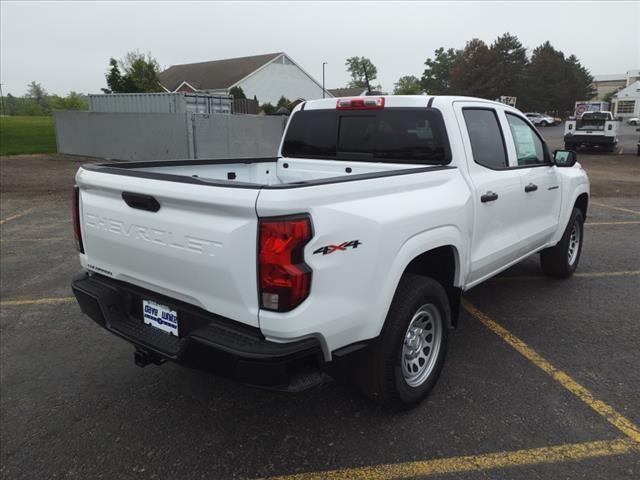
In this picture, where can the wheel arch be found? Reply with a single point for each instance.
(582, 204)
(443, 265)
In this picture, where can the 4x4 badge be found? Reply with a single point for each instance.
(334, 248)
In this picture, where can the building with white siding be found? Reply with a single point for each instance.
(267, 77)
(626, 103)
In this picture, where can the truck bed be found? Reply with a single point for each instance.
(259, 172)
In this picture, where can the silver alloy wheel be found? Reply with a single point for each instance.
(574, 244)
(421, 345)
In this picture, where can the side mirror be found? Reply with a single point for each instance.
(564, 158)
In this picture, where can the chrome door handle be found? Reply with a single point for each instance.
(532, 187)
(489, 197)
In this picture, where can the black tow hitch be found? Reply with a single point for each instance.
(142, 358)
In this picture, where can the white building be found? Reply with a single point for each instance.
(267, 77)
(348, 92)
(605, 84)
(626, 103)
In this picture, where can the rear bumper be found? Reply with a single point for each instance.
(589, 139)
(207, 341)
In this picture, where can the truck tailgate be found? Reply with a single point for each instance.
(198, 247)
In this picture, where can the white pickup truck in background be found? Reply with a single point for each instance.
(592, 129)
(348, 252)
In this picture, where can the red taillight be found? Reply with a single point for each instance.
(284, 278)
(75, 212)
(360, 103)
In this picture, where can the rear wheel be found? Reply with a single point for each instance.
(544, 123)
(402, 367)
(569, 146)
(562, 260)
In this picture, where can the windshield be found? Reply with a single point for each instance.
(592, 121)
(389, 135)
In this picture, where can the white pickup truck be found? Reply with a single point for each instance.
(592, 129)
(347, 254)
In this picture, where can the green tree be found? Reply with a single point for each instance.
(283, 102)
(508, 65)
(267, 108)
(114, 78)
(13, 105)
(407, 85)
(135, 73)
(356, 66)
(437, 76)
(580, 82)
(471, 71)
(237, 92)
(37, 100)
(547, 82)
(73, 101)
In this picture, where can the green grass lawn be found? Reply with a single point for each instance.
(19, 135)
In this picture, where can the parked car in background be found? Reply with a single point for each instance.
(348, 252)
(540, 119)
(633, 121)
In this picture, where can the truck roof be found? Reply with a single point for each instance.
(397, 101)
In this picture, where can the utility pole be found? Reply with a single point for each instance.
(2, 99)
(323, 90)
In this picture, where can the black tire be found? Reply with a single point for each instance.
(633, 123)
(380, 374)
(544, 123)
(556, 261)
(569, 146)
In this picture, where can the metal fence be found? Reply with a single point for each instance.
(246, 105)
(165, 136)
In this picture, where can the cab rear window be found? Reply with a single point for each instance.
(388, 135)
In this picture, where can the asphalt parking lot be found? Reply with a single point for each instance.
(542, 379)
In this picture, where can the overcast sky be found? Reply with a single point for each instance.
(66, 45)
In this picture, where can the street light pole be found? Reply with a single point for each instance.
(2, 100)
(323, 90)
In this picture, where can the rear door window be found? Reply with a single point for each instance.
(485, 135)
(401, 135)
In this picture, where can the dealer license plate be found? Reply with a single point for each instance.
(160, 316)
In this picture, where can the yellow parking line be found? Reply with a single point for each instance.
(474, 463)
(624, 273)
(17, 215)
(615, 208)
(597, 224)
(36, 301)
(607, 412)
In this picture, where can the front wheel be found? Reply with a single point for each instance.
(543, 123)
(562, 260)
(401, 368)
